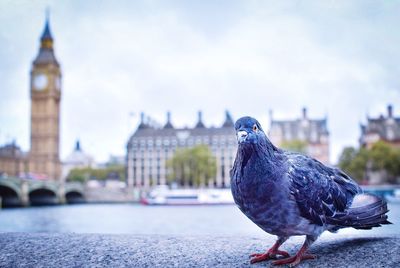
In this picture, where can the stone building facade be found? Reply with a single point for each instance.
(45, 110)
(150, 147)
(13, 161)
(385, 128)
(45, 90)
(314, 132)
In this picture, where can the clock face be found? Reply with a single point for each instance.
(40, 81)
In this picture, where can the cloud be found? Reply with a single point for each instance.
(338, 59)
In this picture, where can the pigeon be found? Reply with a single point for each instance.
(290, 194)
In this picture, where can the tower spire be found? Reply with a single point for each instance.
(228, 120)
(168, 124)
(77, 145)
(46, 52)
(46, 38)
(47, 13)
(200, 120)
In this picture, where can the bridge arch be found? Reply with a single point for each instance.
(43, 197)
(74, 197)
(9, 196)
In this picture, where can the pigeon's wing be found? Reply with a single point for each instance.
(320, 192)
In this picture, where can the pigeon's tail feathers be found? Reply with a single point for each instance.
(365, 212)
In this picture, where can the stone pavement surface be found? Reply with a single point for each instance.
(100, 250)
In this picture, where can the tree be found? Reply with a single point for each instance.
(346, 158)
(192, 166)
(79, 174)
(295, 146)
(381, 157)
(84, 174)
(354, 162)
(386, 158)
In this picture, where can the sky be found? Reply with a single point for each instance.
(340, 59)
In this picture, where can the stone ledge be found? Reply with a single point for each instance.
(99, 250)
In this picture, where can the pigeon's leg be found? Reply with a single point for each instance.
(271, 253)
(301, 255)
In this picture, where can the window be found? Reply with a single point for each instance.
(158, 142)
(142, 175)
(158, 175)
(150, 143)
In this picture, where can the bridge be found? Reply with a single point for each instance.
(15, 192)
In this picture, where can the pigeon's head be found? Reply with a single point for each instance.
(249, 131)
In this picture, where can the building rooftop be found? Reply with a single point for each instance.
(46, 52)
(228, 120)
(78, 156)
(11, 150)
(387, 127)
(168, 125)
(146, 129)
(46, 32)
(302, 128)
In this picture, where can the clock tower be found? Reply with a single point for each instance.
(45, 89)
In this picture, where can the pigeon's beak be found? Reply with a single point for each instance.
(241, 136)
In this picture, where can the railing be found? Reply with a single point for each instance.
(381, 190)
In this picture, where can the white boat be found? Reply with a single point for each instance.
(164, 196)
(395, 198)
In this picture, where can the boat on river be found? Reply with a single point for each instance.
(166, 196)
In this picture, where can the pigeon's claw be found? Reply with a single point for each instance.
(294, 260)
(300, 256)
(271, 254)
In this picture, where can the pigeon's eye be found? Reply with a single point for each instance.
(255, 128)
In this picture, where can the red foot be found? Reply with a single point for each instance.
(269, 255)
(293, 261)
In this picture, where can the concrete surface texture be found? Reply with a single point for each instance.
(99, 250)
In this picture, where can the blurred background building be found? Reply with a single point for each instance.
(383, 128)
(77, 159)
(45, 110)
(150, 147)
(312, 134)
(12, 160)
(43, 160)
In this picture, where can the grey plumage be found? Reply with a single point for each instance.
(288, 194)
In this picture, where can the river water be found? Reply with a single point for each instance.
(139, 219)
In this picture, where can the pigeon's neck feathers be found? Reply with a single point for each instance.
(263, 152)
(265, 149)
(268, 148)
